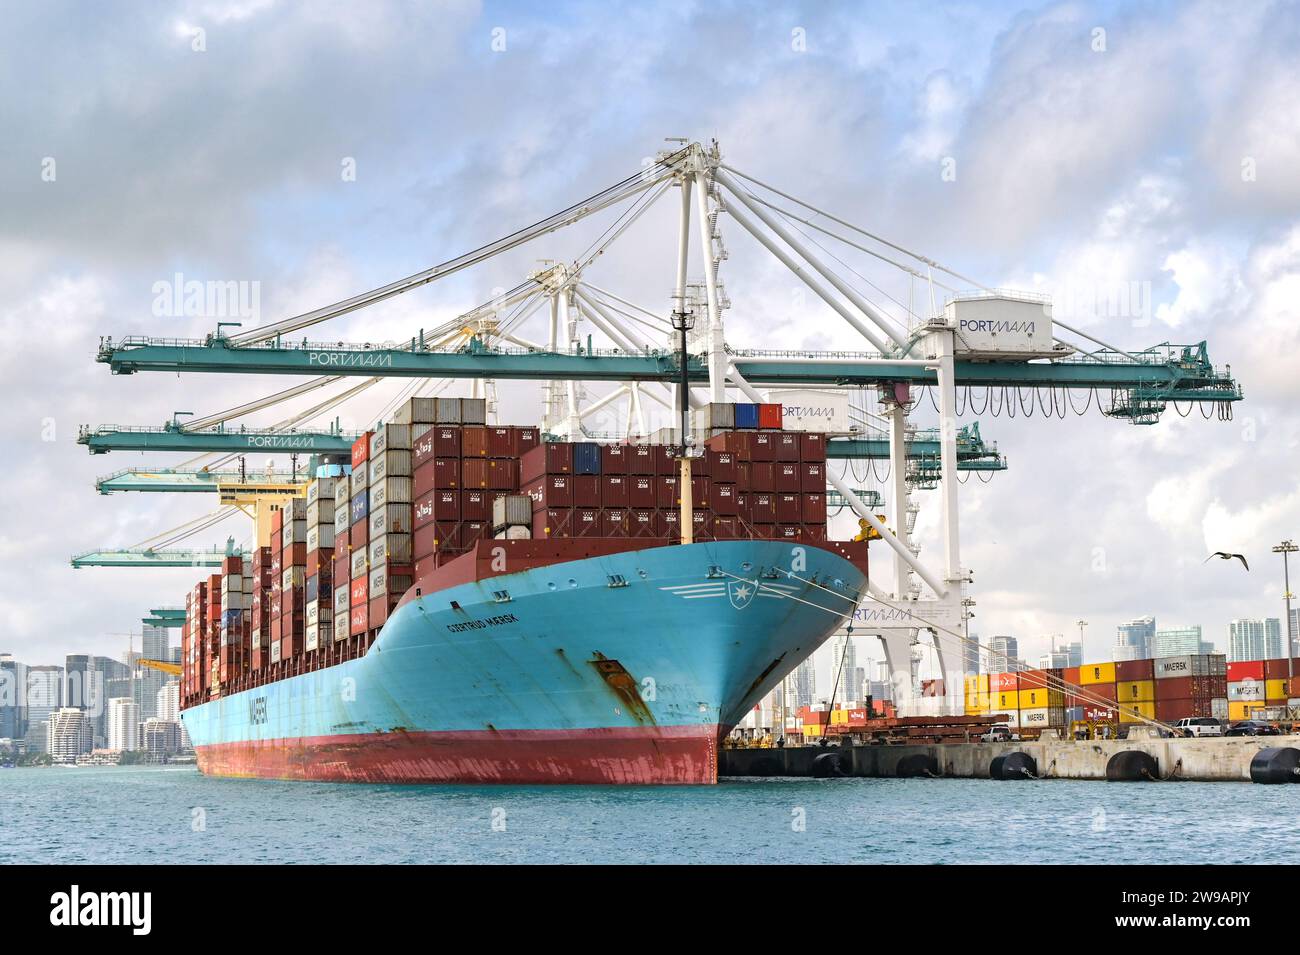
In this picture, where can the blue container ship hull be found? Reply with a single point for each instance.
(620, 669)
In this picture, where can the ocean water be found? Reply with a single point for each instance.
(176, 815)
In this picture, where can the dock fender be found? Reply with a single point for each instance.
(1276, 764)
(1016, 766)
(1132, 766)
(828, 766)
(916, 765)
(995, 767)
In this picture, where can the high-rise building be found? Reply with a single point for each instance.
(970, 654)
(844, 667)
(1004, 654)
(13, 698)
(44, 698)
(1178, 641)
(804, 685)
(168, 705)
(123, 724)
(160, 737)
(1295, 632)
(148, 681)
(1074, 653)
(70, 734)
(1254, 639)
(1056, 660)
(1134, 640)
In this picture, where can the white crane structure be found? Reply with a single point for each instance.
(992, 327)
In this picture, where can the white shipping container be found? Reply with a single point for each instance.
(342, 517)
(311, 636)
(1247, 691)
(359, 564)
(322, 489)
(391, 490)
(390, 463)
(447, 411)
(1200, 664)
(416, 411)
(390, 549)
(293, 576)
(294, 533)
(512, 509)
(381, 583)
(320, 537)
(295, 508)
(275, 652)
(359, 480)
(473, 411)
(389, 437)
(341, 601)
(311, 612)
(1219, 708)
(812, 409)
(396, 519)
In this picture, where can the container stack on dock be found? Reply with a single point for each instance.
(1165, 689)
(437, 483)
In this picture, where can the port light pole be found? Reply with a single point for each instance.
(1285, 548)
(683, 322)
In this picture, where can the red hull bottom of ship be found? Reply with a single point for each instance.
(684, 755)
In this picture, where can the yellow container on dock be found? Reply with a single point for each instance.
(1135, 691)
(1091, 673)
(1242, 711)
(1039, 697)
(1005, 701)
(1131, 710)
(1275, 689)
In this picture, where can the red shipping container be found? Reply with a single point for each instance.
(745, 474)
(424, 543)
(1191, 687)
(666, 491)
(815, 533)
(342, 564)
(613, 522)
(787, 446)
(700, 467)
(446, 473)
(664, 462)
(295, 556)
(725, 528)
(814, 509)
(699, 492)
(502, 474)
(702, 522)
(762, 476)
(473, 441)
(440, 441)
(788, 508)
(762, 447)
(762, 507)
(586, 490)
(736, 442)
(379, 609)
(474, 472)
(1278, 669)
(553, 490)
(613, 459)
(724, 500)
(1171, 711)
(812, 447)
(523, 440)
(613, 491)
(361, 450)
(552, 522)
(1244, 670)
(641, 522)
(476, 505)
(788, 478)
(500, 442)
(1093, 692)
(722, 467)
(642, 459)
(667, 524)
(642, 491)
(554, 457)
(359, 620)
(812, 477)
(358, 591)
(444, 536)
(788, 532)
(471, 532)
(1128, 671)
(316, 559)
(769, 416)
(586, 522)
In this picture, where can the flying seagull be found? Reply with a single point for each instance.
(1223, 555)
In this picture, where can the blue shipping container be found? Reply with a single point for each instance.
(586, 458)
(360, 506)
(746, 415)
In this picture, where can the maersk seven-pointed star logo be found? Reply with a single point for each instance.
(741, 593)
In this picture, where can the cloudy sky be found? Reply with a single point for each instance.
(1089, 148)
